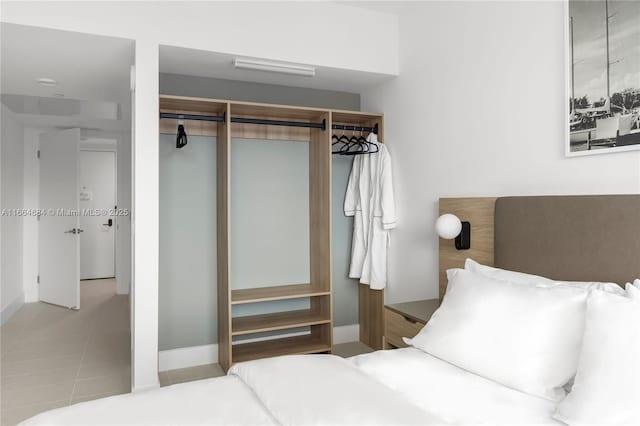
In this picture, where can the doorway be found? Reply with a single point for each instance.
(98, 203)
(66, 100)
(77, 228)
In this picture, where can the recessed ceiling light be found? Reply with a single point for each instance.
(49, 82)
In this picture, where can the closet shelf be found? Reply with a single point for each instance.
(277, 321)
(306, 344)
(281, 292)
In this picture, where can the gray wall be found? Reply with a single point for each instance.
(269, 226)
(203, 87)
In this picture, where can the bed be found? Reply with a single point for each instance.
(404, 386)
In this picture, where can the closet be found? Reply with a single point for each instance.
(312, 325)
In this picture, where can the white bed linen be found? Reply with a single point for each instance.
(451, 393)
(219, 401)
(291, 390)
(607, 385)
(326, 390)
(527, 337)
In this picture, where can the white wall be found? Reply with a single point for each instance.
(316, 33)
(145, 219)
(478, 109)
(11, 197)
(123, 232)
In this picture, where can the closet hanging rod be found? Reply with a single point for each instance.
(322, 126)
(373, 129)
(217, 118)
(243, 120)
(222, 119)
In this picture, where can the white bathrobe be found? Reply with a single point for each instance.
(370, 200)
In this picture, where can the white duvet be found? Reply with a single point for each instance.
(404, 386)
(291, 390)
(451, 393)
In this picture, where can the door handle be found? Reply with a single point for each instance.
(109, 223)
(74, 231)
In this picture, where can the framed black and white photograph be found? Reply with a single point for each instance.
(603, 76)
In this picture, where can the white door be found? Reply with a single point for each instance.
(59, 229)
(98, 196)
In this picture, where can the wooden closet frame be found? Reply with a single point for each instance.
(319, 317)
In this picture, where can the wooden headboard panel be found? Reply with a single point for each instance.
(479, 212)
(577, 238)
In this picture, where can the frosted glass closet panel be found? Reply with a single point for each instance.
(345, 290)
(188, 292)
(269, 213)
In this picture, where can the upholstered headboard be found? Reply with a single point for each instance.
(577, 238)
(574, 238)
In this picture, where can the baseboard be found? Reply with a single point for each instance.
(187, 357)
(145, 388)
(122, 289)
(346, 334)
(208, 354)
(11, 308)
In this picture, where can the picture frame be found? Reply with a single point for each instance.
(602, 75)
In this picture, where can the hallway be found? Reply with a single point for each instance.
(52, 356)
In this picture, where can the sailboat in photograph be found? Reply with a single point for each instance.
(600, 125)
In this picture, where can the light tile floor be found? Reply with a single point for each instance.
(52, 356)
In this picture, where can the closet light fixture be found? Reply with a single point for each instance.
(269, 66)
(449, 226)
(48, 82)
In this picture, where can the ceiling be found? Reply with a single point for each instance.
(86, 67)
(96, 68)
(200, 63)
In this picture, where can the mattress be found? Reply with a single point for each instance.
(452, 394)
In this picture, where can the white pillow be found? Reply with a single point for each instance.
(633, 291)
(607, 385)
(522, 278)
(525, 337)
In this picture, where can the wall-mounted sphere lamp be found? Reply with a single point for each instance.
(449, 226)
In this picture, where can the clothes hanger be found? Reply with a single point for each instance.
(373, 144)
(342, 139)
(352, 141)
(357, 143)
(360, 144)
(335, 140)
(364, 142)
(181, 137)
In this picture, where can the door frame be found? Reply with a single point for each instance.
(115, 217)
